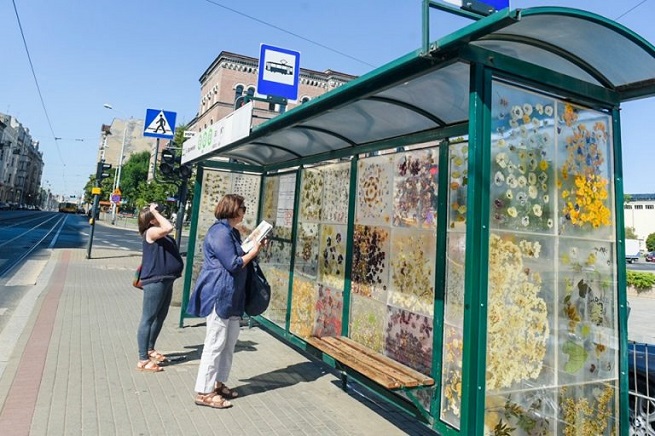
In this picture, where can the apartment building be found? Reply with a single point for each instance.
(639, 211)
(21, 163)
(125, 135)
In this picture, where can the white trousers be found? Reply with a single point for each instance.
(217, 353)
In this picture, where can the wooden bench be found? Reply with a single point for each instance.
(374, 366)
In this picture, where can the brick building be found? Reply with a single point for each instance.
(233, 75)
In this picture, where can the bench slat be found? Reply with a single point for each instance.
(373, 360)
(379, 368)
(422, 378)
(343, 356)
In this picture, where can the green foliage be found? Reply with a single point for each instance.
(650, 242)
(630, 233)
(641, 281)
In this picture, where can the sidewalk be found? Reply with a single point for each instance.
(72, 370)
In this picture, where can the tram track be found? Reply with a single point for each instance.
(18, 240)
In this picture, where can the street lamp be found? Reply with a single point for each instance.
(117, 178)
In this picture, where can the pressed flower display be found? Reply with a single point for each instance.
(335, 197)
(458, 177)
(321, 249)
(587, 327)
(408, 339)
(311, 195)
(328, 312)
(412, 270)
(306, 259)
(370, 270)
(552, 276)
(367, 322)
(275, 259)
(517, 315)
(374, 189)
(393, 249)
(522, 161)
(303, 307)
(215, 185)
(415, 189)
(585, 192)
(332, 255)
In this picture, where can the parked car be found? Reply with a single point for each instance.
(641, 364)
(650, 256)
(4, 206)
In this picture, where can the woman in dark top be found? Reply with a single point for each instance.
(219, 295)
(161, 264)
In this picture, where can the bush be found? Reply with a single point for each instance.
(641, 281)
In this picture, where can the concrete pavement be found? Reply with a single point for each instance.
(71, 369)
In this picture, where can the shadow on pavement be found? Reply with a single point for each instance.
(281, 378)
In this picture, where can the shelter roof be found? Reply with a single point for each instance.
(428, 90)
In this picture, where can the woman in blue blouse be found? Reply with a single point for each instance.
(219, 295)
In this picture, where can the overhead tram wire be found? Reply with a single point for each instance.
(36, 81)
(290, 33)
(630, 10)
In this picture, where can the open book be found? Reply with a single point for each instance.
(256, 235)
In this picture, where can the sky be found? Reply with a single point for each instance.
(135, 55)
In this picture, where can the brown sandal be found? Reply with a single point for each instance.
(148, 366)
(226, 392)
(213, 400)
(156, 356)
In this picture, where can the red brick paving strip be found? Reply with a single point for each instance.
(16, 415)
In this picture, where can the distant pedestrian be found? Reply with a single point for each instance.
(161, 264)
(219, 295)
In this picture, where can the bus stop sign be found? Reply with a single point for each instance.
(279, 70)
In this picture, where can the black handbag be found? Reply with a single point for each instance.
(258, 291)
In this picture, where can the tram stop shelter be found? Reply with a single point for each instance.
(449, 229)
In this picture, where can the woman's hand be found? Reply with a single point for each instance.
(153, 207)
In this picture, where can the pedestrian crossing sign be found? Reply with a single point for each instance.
(159, 124)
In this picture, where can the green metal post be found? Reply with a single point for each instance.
(477, 254)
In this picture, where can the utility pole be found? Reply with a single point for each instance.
(96, 191)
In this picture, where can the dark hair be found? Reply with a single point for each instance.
(228, 207)
(145, 216)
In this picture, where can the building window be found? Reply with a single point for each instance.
(238, 92)
(650, 206)
(627, 206)
(304, 100)
(271, 107)
(251, 91)
(639, 206)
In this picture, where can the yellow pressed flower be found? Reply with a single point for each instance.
(543, 165)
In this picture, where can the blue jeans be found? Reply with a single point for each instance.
(156, 300)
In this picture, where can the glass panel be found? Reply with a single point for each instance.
(451, 84)
(394, 254)
(319, 272)
(451, 374)
(275, 259)
(369, 120)
(552, 269)
(628, 63)
(215, 184)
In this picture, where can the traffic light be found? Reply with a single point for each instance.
(167, 165)
(171, 165)
(100, 172)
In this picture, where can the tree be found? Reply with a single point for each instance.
(650, 242)
(630, 233)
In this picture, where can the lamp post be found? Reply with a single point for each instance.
(117, 178)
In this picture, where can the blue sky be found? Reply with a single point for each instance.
(144, 54)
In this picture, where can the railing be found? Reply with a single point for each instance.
(642, 388)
